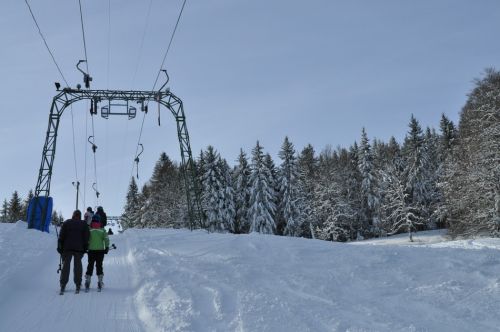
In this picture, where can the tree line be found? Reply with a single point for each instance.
(445, 178)
(16, 209)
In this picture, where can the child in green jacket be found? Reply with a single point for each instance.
(98, 247)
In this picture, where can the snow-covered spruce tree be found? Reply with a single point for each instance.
(473, 172)
(262, 207)
(141, 221)
(447, 139)
(448, 136)
(397, 207)
(228, 209)
(368, 191)
(337, 220)
(15, 208)
(416, 168)
(433, 199)
(213, 190)
(290, 192)
(26, 202)
(4, 213)
(165, 206)
(242, 194)
(273, 183)
(129, 217)
(308, 169)
(351, 178)
(392, 159)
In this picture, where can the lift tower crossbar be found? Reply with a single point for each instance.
(68, 96)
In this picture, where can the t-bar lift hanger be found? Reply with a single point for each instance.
(137, 159)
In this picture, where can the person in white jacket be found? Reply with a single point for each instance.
(87, 217)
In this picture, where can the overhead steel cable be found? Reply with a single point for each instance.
(83, 34)
(142, 42)
(169, 44)
(157, 77)
(46, 44)
(109, 43)
(64, 79)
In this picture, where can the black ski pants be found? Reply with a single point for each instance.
(67, 256)
(95, 257)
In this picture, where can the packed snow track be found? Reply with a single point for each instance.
(176, 280)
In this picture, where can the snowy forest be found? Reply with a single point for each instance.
(445, 178)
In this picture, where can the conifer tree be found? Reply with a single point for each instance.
(416, 161)
(228, 209)
(289, 190)
(213, 189)
(262, 207)
(242, 193)
(15, 208)
(368, 191)
(401, 212)
(27, 201)
(308, 169)
(473, 173)
(448, 134)
(166, 200)
(130, 214)
(335, 197)
(274, 190)
(4, 214)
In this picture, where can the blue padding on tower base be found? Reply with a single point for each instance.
(35, 213)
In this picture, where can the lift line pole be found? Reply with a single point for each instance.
(67, 97)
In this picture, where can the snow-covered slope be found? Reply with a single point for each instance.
(176, 280)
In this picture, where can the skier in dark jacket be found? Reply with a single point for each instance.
(73, 243)
(102, 216)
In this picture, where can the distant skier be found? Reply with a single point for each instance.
(88, 215)
(110, 231)
(98, 247)
(102, 216)
(73, 243)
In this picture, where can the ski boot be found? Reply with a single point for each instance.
(77, 290)
(87, 283)
(61, 292)
(100, 284)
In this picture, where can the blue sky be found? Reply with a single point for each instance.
(317, 71)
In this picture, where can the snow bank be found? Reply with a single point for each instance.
(193, 281)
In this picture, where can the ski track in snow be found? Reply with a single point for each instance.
(30, 299)
(176, 280)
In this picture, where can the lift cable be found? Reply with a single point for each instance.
(109, 43)
(64, 79)
(142, 42)
(156, 81)
(169, 44)
(83, 35)
(45, 41)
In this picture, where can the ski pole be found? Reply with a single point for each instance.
(60, 256)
